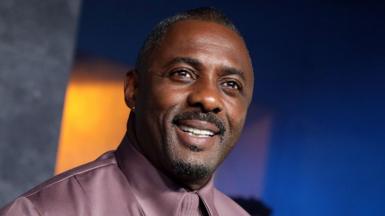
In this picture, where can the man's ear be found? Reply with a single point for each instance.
(130, 88)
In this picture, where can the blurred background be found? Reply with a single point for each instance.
(314, 141)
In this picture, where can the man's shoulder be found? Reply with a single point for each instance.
(102, 164)
(226, 206)
(67, 192)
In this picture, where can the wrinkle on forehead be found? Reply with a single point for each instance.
(195, 35)
(224, 36)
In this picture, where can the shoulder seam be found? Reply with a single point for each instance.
(111, 162)
(34, 206)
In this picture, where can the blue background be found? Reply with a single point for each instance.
(320, 71)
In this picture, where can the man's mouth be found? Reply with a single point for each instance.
(197, 132)
(197, 135)
(199, 124)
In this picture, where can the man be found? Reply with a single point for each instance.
(189, 94)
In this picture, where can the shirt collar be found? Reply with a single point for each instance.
(154, 191)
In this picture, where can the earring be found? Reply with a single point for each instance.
(133, 109)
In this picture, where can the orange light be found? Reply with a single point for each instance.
(94, 116)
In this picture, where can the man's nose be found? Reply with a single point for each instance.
(206, 96)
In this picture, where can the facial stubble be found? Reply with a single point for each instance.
(188, 170)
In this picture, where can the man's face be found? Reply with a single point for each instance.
(192, 102)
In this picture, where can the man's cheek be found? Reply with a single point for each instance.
(236, 125)
(168, 97)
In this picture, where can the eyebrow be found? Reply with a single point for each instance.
(186, 60)
(233, 71)
(225, 70)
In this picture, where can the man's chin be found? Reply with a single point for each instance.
(191, 173)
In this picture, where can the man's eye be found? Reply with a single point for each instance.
(232, 85)
(181, 75)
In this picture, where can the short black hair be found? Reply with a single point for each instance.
(154, 38)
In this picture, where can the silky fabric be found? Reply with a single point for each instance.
(120, 183)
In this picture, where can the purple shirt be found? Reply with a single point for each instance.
(120, 183)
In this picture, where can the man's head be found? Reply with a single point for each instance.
(191, 89)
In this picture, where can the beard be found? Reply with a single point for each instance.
(190, 172)
(187, 171)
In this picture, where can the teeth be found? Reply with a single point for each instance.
(197, 132)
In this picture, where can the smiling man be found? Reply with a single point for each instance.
(189, 94)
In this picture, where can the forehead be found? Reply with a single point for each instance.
(204, 40)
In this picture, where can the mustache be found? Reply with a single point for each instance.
(208, 117)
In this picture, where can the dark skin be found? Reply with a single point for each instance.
(199, 67)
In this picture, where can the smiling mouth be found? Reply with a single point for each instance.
(203, 133)
(199, 124)
(198, 132)
(197, 135)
